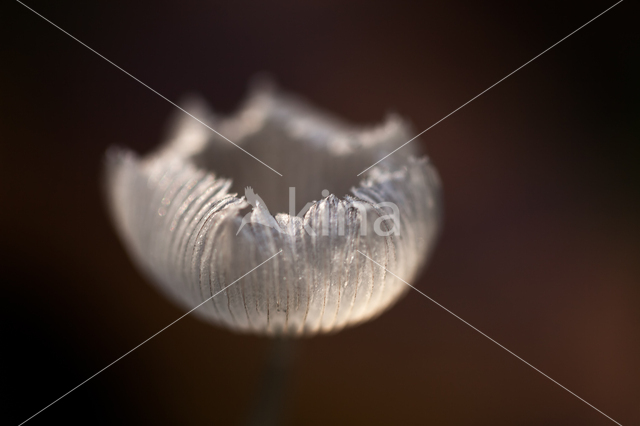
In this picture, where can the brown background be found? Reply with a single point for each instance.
(541, 243)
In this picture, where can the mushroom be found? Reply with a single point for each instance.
(179, 215)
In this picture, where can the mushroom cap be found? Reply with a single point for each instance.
(179, 215)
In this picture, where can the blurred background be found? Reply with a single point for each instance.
(540, 250)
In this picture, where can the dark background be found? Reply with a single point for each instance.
(540, 250)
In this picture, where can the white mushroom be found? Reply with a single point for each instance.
(178, 213)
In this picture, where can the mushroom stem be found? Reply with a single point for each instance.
(268, 406)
